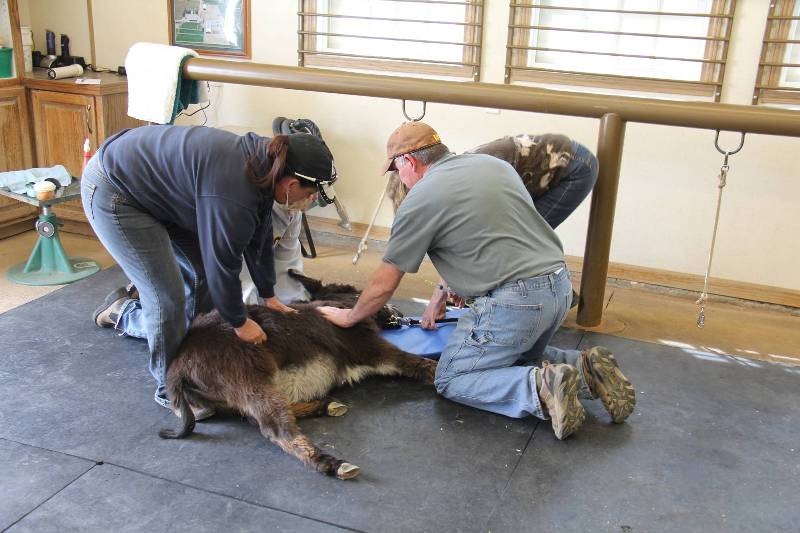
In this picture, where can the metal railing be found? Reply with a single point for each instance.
(613, 111)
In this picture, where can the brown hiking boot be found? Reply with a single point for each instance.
(559, 394)
(607, 382)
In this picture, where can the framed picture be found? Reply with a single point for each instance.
(211, 27)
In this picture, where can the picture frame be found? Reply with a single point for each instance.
(211, 27)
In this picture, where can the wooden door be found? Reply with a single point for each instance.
(62, 121)
(16, 154)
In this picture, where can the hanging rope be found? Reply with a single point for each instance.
(723, 176)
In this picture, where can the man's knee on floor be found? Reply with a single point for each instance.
(443, 384)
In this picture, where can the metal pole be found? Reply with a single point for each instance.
(601, 221)
(707, 115)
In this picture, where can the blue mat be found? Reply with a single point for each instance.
(423, 342)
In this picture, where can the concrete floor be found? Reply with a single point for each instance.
(712, 445)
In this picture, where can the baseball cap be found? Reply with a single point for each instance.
(409, 137)
(310, 158)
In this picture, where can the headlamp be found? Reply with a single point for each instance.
(324, 186)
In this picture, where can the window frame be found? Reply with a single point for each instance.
(718, 38)
(469, 68)
(769, 87)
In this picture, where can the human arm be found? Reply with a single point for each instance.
(437, 306)
(379, 289)
(223, 230)
(260, 258)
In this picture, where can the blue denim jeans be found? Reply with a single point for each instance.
(164, 264)
(488, 361)
(577, 182)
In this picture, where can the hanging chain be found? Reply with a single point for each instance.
(722, 178)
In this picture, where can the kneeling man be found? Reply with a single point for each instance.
(476, 221)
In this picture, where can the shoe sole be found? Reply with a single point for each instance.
(614, 389)
(98, 314)
(567, 421)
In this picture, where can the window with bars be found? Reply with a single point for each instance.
(660, 46)
(439, 38)
(778, 80)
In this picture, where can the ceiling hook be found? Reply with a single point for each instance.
(414, 119)
(724, 152)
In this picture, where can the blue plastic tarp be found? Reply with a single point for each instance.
(423, 342)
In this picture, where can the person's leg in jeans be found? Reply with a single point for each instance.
(579, 178)
(477, 367)
(197, 299)
(142, 247)
(541, 349)
(600, 376)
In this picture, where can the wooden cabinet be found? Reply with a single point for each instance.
(15, 154)
(62, 121)
(15, 138)
(64, 115)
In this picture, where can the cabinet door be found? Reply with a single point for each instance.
(62, 121)
(16, 154)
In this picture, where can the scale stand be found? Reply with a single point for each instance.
(48, 263)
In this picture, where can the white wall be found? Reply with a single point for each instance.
(668, 187)
(69, 17)
(24, 13)
(118, 24)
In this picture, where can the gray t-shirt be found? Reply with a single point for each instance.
(476, 221)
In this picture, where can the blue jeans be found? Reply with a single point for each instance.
(163, 262)
(488, 361)
(577, 182)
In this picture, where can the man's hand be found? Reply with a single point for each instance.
(336, 316)
(457, 300)
(436, 309)
(276, 305)
(250, 331)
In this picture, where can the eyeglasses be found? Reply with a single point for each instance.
(324, 187)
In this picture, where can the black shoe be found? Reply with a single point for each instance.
(107, 315)
(574, 299)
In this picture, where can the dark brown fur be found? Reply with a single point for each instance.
(289, 376)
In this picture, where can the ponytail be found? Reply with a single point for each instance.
(277, 152)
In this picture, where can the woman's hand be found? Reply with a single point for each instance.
(250, 331)
(276, 305)
(336, 316)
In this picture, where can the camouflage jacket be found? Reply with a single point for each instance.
(540, 160)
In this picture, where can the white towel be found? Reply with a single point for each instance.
(154, 74)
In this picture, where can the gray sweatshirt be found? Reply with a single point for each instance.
(195, 178)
